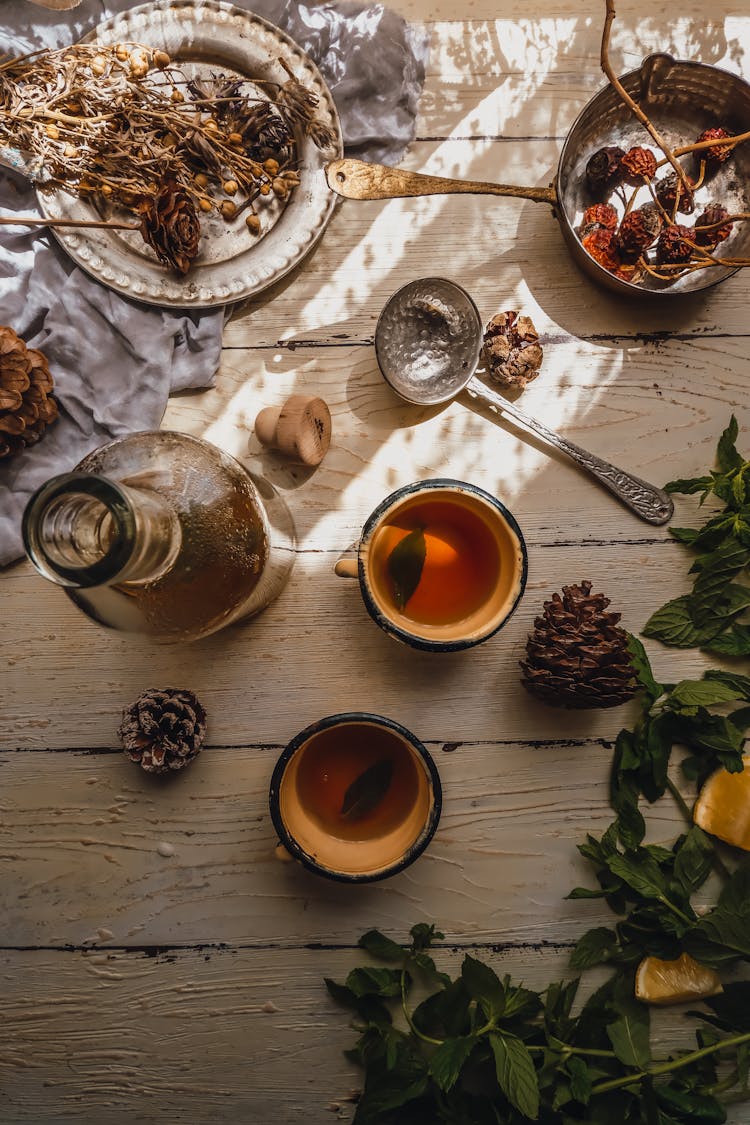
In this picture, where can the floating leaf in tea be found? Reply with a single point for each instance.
(367, 791)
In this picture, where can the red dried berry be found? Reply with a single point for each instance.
(604, 169)
(602, 213)
(672, 195)
(602, 247)
(717, 154)
(713, 214)
(639, 164)
(672, 247)
(638, 230)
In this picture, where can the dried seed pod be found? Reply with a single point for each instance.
(712, 236)
(602, 213)
(161, 59)
(122, 52)
(717, 154)
(601, 245)
(228, 209)
(638, 231)
(672, 247)
(604, 169)
(235, 139)
(52, 131)
(205, 204)
(177, 97)
(639, 164)
(252, 222)
(672, 195)
(139, 63)
(265, 189)
(70, 152)
(230, 187)
(280, 188)
(271, 166)
(99, 66)
(200, 180)
(512, 352)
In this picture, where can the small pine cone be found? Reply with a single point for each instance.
(163, 730)
(602, 247)
(577, 655)
(639, 164)
(638, 230)
(512, 352)
(603, 214)
(717, 154)
(26, 405)
(711, 238)
(604, 169)
(672, 195)
(672, 249)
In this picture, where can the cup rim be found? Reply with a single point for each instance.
(341, 719)
(370, 525)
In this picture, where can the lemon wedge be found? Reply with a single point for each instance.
(723, 806)
(674, 982)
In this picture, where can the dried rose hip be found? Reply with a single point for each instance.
(638, 230)
(672, 195)
(603, 214)
(604, 170)
(639, 164)
(717, 154)
(713, 214)
(672, 247)
(602, 247)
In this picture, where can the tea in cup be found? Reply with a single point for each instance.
(355, 797)
(441, 565)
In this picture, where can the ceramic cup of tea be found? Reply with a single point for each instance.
(441, 565)
(355, 797)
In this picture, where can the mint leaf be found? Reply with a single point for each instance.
(405, 564)
(726, 452)
(629, 1034)
(381, 946)
(367, 791)
(694, 860)
(422, 936)
(446, 1063)
(688, 486)
(740, 684)
(594, 948)
(370, 980)
(640, 872)
(734, 642)
(484, 986)
(702, 693)
(674, 625)
(516, 1074)
(580, 1079)
(642, 668)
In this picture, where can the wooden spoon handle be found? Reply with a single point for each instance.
(356, 179)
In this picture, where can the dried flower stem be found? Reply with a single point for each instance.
(625, 96)
(699, 146)
(34, 221)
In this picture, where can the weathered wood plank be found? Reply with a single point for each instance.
(315, 652)
(116, 1037)
(91, 844)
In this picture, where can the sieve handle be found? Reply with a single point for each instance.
(651, 504)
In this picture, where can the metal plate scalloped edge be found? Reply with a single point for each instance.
(240, 41)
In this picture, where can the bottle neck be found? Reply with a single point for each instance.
(81, 530)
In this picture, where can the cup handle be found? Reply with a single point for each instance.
(347, 567)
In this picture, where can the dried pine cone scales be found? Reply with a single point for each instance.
(163, 730)
(577, 655)
(26, 405)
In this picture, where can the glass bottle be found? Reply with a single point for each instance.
(162, 533)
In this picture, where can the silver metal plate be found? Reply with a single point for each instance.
(206, 37)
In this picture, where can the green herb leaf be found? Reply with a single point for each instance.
(580, 1079)
(371, 980)
(629, 1034)
(594, 948)
(694, 860)
(701, 693)
(405, 564)
(674, 625)
(734, 642)
(484, 986)
(689, 486)
(516, 1074)
(367, 791)
(726, 453)
(381, 946)
(446, 1063)
(422, 936)
(642, 668)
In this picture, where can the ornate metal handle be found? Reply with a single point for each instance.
(650, 503)
(356, 179)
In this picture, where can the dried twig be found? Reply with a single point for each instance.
(35, 221)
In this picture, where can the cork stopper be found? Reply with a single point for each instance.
(301, 428)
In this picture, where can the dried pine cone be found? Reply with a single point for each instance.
(512, 352)
(602, 247)
(672, 247)
(603, 214)
(26, 408)
(672, 195)
(711, 238)
(170, 226)
(639, 164)
(717, 154)
(577, 655)
(163, 730)
(638, 230)
(604, 169)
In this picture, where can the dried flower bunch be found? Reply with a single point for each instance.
(26, 404)
(512, 352)
(125, 126)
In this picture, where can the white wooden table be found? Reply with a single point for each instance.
(158, 963)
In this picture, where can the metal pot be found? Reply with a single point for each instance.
(681, 99)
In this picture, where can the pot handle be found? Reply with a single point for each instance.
(654, 73)
(357, 179)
